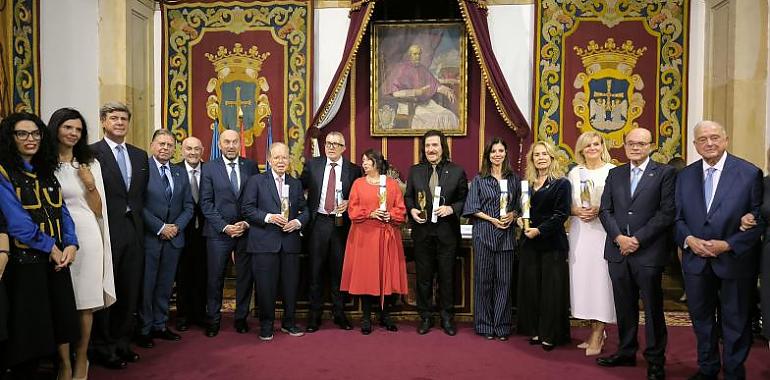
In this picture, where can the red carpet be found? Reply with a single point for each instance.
(336, 354)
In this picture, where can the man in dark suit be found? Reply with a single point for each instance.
(274, 205)
(637, 211)
(321, 178)
(191, 275)
(124, 171)
(435, 242)
(168, 207)
(222, 183)
(720, 260)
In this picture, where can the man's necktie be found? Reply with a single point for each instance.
(234, 178)
(636, 175)
(433, 181)
(122, 164)
(166, 182)
(708, 187)
(331, 188)
(194, 184)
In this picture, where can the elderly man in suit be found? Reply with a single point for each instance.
(191, 275)
(637, 211)
(222, 183)
(168, 207)
(124, 171)
(435, 243)
(323, 178)
(720, 259)
(274, 205)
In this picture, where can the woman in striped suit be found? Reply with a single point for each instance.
(493, 240)
(543, 288)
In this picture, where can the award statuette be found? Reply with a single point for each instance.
(383, 193)
(525, 203)
(285, 201)
(337, 200)
(586, 185)
(421, 202)
(503, 197)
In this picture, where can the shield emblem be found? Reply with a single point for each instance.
(608, 103)
(237, 94)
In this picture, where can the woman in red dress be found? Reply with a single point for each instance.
(374, 266)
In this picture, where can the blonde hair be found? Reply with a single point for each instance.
(554, 171)
(582, 142)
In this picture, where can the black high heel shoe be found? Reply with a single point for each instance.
(387, 323)
(366, 326)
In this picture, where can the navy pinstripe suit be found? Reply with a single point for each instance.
(493, 255)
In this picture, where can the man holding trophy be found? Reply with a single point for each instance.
(435, 196)
(327, 180)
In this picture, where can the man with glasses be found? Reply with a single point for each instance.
(719, 258)
(124, 171)
(327, 180)
(637, 211)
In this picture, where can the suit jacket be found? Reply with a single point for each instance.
(738, 192)
(313, 181)
(159, 211)
(118, 198)
(647, 215)
(197, 212)
(454, 190)
(260, 197)
(219, 203)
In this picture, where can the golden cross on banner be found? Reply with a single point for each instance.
(238, 102)
(608, 96)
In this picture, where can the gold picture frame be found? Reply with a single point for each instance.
(419, 78)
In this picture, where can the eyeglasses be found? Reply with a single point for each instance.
(637, 144)
(24, 135)
(334, 145)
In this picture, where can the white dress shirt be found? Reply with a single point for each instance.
(338, 174)
(719, 166)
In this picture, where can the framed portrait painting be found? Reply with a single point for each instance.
(419, 78)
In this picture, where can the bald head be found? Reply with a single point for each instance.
(638, 145)
(192, 150)
(230, 144)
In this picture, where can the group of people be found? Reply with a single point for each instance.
(93, 239)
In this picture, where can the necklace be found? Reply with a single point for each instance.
(371, 181)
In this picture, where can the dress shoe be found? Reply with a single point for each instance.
(166, 334)
(342, 322)
(502, 338)
(534, 341)
(145, 341)
(547, 346)
(366, 326)
(449, 327)
(241, 327)
(266, 333)
(387, 322)
(616, 361)
(113, 363)
(129, 356)
(212, 330)
(292, 331)
(702, 376)
(182, 324)
(489, 336)
(656, 372)
(425, 325)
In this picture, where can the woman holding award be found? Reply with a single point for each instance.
(492, 205)
(374, 265)
(543, 287)
(590, 285)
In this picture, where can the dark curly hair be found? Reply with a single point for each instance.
(44, 162)
(81, 151)
(379, 161)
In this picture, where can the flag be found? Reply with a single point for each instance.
(215, 152)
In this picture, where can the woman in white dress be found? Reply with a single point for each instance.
(590, 286)
(82, 188)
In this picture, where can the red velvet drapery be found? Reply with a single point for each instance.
(492, 110)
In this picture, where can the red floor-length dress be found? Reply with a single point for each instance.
(374, 255)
